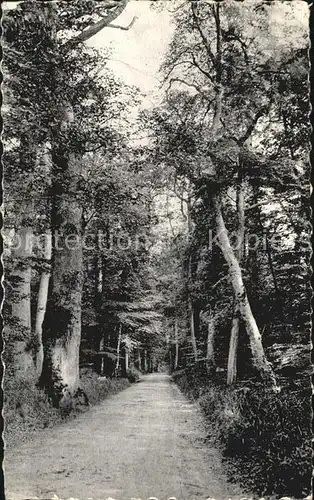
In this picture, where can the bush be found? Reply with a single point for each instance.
(265, 436)
(98, 388)
(133, 375)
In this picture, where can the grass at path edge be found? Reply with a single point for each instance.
(27, 410)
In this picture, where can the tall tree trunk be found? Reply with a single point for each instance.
(97, 306)
(22, 253)
(62, 322)
(267, 248)
(233, 345)
(150, 362)
(21, 303)
(118, 351)
(145, 361)
(192, 330)
(233, 348)
(258, 355)
(102, 356)
(210, 352)
(176, 343)
(189, 272)
(139, 359)
(126, 359)
(99, 279)
(218, 74)
(42, 302)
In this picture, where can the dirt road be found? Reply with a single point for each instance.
(147, 441)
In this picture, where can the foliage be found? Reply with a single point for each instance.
(26, 410)
(98, 388)
(264, 436)
(133, 375)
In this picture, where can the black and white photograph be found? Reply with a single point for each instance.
(157, 250)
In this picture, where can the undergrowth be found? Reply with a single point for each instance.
(265, 436)
(27, 408)
(133, 375)
(98, 388)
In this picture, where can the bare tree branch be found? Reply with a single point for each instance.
(170, 66)
(173, 11)
(188, 84)
(203, 37)
(255, 205)
(124, 28)
(202, 70)
(237, 38)
(252, 125)
(218, 77)
(114, 8)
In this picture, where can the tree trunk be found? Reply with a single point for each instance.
(62, 323)
(256, 197)
(139, 360)
(97, 307)
(190, 302)
(145, 361)
(192, 331)
(42, 303)
(21, 302)
(176, 342)
(258, 355)
(233, 345)
(241, 219)
(126, 359)
(210, 353)
(24, 364)
(233, 348)
(102, 356)
(99, 280)
(150, 363)
(118, 351)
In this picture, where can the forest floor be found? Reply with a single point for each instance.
(147, 441)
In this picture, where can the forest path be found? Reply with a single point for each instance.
(147, 441)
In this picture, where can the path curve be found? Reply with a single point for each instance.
(146, 441)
